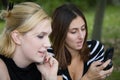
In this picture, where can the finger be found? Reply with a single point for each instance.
(108, 72)
(102, 75)
(101, 67)
(96, 63)
(53, 62)
(48, 56)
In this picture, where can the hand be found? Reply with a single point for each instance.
(49, 68)
(96, 71)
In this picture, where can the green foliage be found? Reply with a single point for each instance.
(110, 34)
(1, 26)
(50, 5)
(113, 27)
(114, 76)
(111, 24)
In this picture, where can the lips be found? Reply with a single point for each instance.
(79, 43)
(41, 53)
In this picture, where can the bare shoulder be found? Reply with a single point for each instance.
(3, 71)
(59, 78)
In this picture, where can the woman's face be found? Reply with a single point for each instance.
(76, 34)
(34, 43)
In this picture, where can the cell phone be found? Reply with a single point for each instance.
(108, 55)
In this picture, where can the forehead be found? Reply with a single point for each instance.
(43, 26)
(77, 22)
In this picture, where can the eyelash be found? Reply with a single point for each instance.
(40, 36)
(83, 29)
(73, 32)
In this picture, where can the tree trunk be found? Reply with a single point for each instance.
(98, 21)
(4, 3)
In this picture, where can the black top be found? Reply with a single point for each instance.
(16, 73)
(96, 53)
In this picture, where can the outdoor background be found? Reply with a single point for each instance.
(103, 18)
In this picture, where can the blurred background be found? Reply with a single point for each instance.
(103, 19)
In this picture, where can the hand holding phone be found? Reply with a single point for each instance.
(108, 55)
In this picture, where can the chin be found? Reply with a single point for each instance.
(79, 48)
(40, 60)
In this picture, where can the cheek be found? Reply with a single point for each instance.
(69, 42)
(70, 39)
(31, 48)
(34, 44)
(31, 44)
(85, 34)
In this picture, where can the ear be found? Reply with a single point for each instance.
(16, 36)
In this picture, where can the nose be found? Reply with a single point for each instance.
(47, 43)
(80, 34)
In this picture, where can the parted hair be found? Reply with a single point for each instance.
(62, 17)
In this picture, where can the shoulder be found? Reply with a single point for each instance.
(94, 43)
(59, 78)
(3, 71)
(96, 51)
(95, 46)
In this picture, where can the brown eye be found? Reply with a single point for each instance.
(73, 32)
(83, 28)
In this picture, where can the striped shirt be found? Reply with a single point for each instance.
(96, 53)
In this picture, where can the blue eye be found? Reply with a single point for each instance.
(39, 36)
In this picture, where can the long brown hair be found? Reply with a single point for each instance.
(62, 17)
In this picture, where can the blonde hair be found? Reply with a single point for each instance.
(23, 17)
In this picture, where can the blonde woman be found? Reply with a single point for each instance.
(24, 43)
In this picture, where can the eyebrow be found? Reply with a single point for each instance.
(37, 33)
(43, 33)
(83, 25)
(80, 26)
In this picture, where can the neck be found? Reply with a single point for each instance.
(74, 53)
(20, 60)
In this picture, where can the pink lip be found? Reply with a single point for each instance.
(79, 42)
(41, 53)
